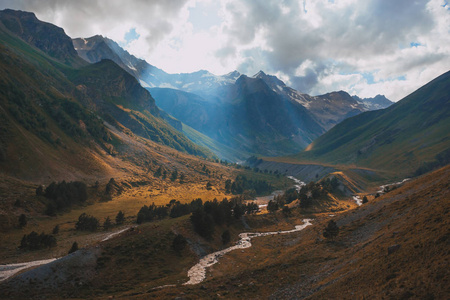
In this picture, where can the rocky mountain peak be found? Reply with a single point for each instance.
(47, 37)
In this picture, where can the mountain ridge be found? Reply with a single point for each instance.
(402, 136)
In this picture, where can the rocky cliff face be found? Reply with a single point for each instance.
(47, 37)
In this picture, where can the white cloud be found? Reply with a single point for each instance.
(317, 46)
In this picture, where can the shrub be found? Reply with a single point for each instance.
(87, 223)
(74, 247)
(179, 243)
(331, 231)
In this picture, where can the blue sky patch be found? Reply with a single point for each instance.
(130, 36)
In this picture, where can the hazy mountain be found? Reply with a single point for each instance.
(377, 102)
(96, 48)
(328, 109)
(51, 109)
(248, 116)
(399, 138)
(204, 101)
(220, 107)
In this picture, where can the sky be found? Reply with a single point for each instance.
(370, 47)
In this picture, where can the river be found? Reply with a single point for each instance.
(6, 271)
(197, 273)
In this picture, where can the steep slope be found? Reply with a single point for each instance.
(52, 114)
(399, 138)
(47, 37)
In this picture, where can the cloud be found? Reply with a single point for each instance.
(321, 45)
(112, 18)
(363, 47)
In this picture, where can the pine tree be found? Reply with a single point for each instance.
(365, 200)
(55, 229)
(74, 247)
(107, 224)
(331, 231)
(22, 221)
(120, 218)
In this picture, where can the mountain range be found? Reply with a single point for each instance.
(400, 139)
(89, 132)
(218, 108)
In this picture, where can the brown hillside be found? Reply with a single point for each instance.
(357, 265)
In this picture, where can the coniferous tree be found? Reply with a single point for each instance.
(107, 224)
(110, 187)
(331, 231)
(238, 211)
(40, 191)
(22, 221)
(272, 206)
(74, 247)
(55, 229)
(120, 218)
(87, 223)
(365, 200)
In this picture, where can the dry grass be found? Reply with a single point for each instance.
(357, 264)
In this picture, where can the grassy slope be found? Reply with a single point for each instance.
(222, 151)
(356, 265)
(287, 266)
(396, 139)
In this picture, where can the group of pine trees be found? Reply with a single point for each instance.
(242, 184)
(35, 241)
(210, 214)
(204, 215)
(62, 195)
(89, 223)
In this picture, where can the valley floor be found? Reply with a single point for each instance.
(395, 246)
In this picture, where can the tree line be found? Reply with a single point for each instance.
(62, 195)
(244, 185)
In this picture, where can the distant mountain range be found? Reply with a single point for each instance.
(377, 102)
(399, 139)
(252, 115)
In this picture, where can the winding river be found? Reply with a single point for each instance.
(197, 273)
(9, 270)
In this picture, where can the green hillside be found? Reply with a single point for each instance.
(53, 108)
(400, 138)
